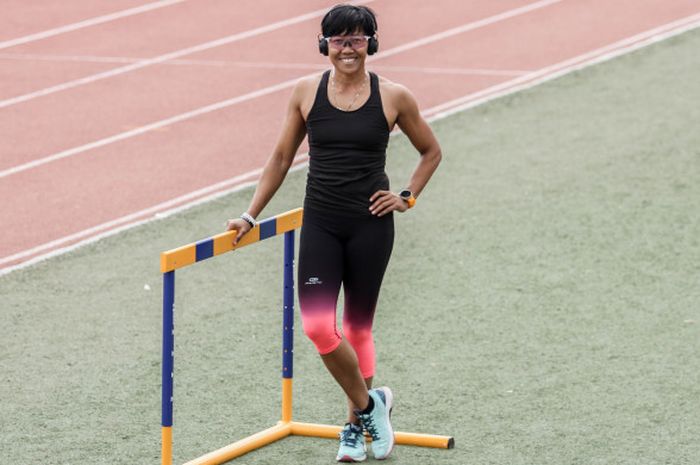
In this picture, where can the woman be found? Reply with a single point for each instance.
(348, 229)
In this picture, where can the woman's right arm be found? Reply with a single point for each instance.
(277, 165)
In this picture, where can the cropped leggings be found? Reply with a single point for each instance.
(353, 251)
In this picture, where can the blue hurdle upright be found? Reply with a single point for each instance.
(285, 223)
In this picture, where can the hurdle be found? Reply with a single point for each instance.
(171, 260)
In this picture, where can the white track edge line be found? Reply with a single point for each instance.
(300, 163)
(87, 23)
(612, 54)
(153, 210)
(551, 71)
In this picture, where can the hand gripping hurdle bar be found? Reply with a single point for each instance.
(196, 252)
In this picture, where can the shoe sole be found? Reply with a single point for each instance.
(348, 459)
(389, 396)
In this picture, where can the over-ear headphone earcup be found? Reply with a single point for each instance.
(372, 46)
(323, 46)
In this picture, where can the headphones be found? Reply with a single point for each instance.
(372, 46)
(372, 43)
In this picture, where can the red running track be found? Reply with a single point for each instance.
(109, 124)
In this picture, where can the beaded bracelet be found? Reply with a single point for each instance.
(248, 219)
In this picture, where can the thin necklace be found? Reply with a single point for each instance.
(357, 94)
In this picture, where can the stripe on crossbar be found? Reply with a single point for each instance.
(268, 228)
(205, 249)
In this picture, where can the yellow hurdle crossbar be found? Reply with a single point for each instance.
(286, 224)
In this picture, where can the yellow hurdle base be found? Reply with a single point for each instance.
(295, 428)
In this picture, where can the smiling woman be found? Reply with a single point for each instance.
(348, 232)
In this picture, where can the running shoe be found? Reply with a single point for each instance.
(352, 444)
(378, 422)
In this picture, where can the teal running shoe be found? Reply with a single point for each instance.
(352, 444)
(378, 422)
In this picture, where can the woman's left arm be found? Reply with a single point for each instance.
(421, 136)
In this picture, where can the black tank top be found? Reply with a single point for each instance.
(347, 153)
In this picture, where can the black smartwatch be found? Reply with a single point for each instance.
(408, 197)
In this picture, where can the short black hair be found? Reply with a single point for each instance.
(346, 19)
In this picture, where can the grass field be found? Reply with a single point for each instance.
(542, 304)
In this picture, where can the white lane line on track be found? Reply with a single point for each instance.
(461, 71)
(259, 64)
(469, 27)
(240, 182)
(564, 67)
(87, 23)
(167, 56)
(159, 210)
(235, 100)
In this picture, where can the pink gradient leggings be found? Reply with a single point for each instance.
(353, 251)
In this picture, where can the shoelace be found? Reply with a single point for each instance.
(349, 437)
(368, 423)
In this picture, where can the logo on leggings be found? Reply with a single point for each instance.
(312, 281)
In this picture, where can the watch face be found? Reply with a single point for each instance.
(406, 194)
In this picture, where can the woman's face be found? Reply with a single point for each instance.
(348, 52)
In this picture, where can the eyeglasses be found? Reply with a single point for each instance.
(354, 42)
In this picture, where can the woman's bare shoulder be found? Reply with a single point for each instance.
(397, 95)
(305, 93)
(307, 85)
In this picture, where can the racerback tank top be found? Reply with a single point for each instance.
(347, 153)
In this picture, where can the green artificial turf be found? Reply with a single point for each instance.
(541, 306)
